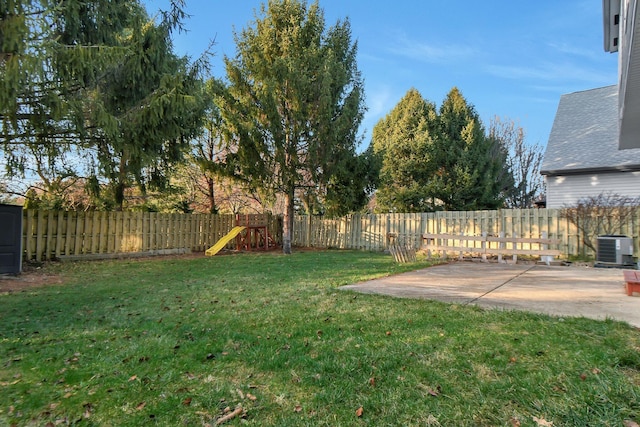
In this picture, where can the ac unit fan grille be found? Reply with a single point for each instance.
(607, 250)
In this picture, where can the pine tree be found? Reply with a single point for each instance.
(96, 76)
(472, 172)
(145, 111)
(403, 143)
(294, 101)
(347, 190)
(51, 52)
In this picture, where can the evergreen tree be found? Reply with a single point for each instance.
(471, 170)
(51, 52)
(348, 188)
(97, 76)
(145, 111)
(294, 101)
(403, 144)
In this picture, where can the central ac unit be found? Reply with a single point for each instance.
(614, 249)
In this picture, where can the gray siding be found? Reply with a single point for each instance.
(563, 190)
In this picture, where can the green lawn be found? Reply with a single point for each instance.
(182, 342)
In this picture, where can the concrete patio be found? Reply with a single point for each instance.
(596, 293)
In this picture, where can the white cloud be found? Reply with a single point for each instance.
(433, 52)
(551, 72)
(573, 50)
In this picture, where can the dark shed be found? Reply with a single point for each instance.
(10, 239)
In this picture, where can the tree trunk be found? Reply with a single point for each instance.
(287, 223)
(118, 196)
(118, 190)
(211, 196)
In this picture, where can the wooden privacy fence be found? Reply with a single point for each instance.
(370, 231)
(49, 234)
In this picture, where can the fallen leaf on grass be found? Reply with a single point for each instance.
(133, 378)
(251, 397)
(230, 415)
(141, 406)
(88, 409)
(629, 423)
(298, 408)
(433, 393)
(542, 422)
(514, 422)
(372, 382)
(187, 401)
(432, 421)
(359, 412)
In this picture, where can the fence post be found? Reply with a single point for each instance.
(547, 259)
(484, 246)
(59, 224)
(387, 231)
(28, 227)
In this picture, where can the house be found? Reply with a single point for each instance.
(622, 35)
(594, 145)
(583, 158)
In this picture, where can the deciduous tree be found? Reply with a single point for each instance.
(605, 213)
(523, 160)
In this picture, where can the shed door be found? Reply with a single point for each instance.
(10, 239)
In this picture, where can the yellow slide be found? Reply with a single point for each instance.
(223, 242)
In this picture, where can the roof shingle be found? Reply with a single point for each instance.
(584, 136)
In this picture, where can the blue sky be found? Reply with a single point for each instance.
(509, 58)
